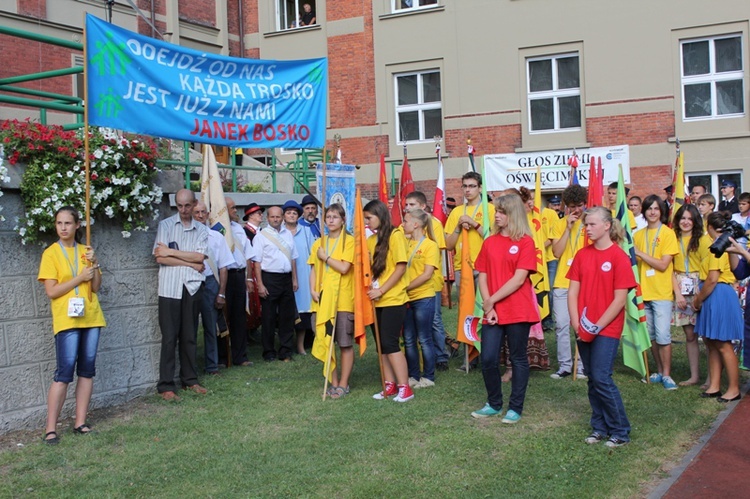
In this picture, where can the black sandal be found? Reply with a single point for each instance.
(51, 441)
(84, 429)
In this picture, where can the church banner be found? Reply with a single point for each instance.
(506, 171)
(341, 186)
(143, 85)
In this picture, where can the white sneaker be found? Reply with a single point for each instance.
(413, 382)
(581, 376)
(425, 383)
(404, 394)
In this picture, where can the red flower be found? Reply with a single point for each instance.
(94, 176)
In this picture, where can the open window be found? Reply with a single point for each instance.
(291, 14)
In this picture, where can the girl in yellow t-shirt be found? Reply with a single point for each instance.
(719, 318)
(423, 262)
(70, 272)
(332, 291)
(693, 245)
(387, 249)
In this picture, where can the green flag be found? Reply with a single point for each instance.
(635, 339)
(486, 231)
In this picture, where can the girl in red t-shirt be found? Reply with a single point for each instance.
(504, 264)
(600, 277)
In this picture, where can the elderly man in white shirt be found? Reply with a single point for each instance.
(214, 290)
(274, 253)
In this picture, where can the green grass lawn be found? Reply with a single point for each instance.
(263, 431)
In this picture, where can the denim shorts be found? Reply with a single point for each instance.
(76, 350)
(659, 320)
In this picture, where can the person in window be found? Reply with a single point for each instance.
(729, 203)
(308, 16)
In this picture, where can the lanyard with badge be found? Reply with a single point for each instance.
(575, 245)
(652, 272)
(75, 303)
(330, 253)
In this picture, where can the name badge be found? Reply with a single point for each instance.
(75, 307)
(375, 284)
(650, 273)
(570, 262)
(687, 286)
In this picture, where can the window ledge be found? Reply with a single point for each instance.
(411, 12)
(580, 145)
(697, 138)
(300, 29)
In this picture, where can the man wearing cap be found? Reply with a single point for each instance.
(253, 218)
(274, 253)
(237, 286)
(729, 203)
(310, 215)
(303, 241)
(555, 203)
(214, 291)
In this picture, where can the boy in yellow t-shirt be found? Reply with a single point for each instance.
(567, 239)
(655, 248)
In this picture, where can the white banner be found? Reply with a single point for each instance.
(506, 171)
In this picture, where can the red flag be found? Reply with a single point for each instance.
(406, 182)
(439, 210)
(396, 210)
(362, 278)
(595, 185)
(383, 186)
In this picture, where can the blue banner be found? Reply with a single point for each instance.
(341, 185)
(148, 86)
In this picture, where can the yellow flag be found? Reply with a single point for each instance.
(540, 279)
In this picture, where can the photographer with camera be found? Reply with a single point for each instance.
(655, 248)
(739, 259)
(719, 321)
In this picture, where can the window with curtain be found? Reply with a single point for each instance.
(401, 5)
(419, 114)
(712, 77)
(554, 93)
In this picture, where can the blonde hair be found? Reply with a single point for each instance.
(616, 231)
(424, 219)
(518, 223)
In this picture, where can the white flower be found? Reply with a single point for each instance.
(109, 211)
(45, 166)
(98, 154)
(70, 174)
(125, 234)
(124, 203)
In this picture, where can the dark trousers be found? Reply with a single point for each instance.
(492, 342)
(177, 319)
(278, 305)
(209, 313)
(237, 321)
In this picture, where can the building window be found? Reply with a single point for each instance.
(554, 93)
(712, 77)
(419, 114)
(402, 5)
(295, 13)
(712, 181)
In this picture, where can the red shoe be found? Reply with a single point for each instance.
(169, 396)
(404, 394)
(195, 388)
(390, 391)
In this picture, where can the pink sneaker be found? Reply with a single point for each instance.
(404, 394)
(390, 391)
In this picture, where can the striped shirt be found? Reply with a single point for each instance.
(194, 239)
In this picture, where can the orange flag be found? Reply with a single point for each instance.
(383, 185)
(362, 278)
(466, 294)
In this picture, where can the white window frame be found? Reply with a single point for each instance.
(420, 106)
(716, 178)
(554, 94)
(712, 77)
(281, 4)
(416, 5)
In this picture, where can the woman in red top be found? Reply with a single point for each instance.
(504, 264)
(600, 278)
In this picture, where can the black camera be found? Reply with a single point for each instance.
(730, 229)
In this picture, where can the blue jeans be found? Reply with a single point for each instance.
(607, 410)
(438, 331)
(492, 342)
(76, 350)
(209, 315)
(659, 320)
(418, 324)
(551, 273)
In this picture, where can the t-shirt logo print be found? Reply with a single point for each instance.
(513, 250)
(606, 266)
